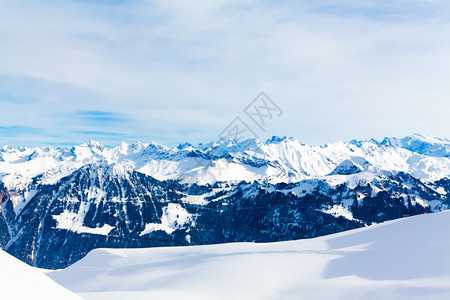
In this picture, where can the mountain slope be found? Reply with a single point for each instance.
(20, 281)
(103, 205)
(401, 259)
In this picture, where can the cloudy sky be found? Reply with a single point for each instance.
(176, 71)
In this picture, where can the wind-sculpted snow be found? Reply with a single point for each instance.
(20, 281)
(404, 259)
(57, 204)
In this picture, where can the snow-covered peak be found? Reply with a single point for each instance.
(155, 148)
(428, 139)
(138, 146)
(227, 146)
(276, 140)
(347, 167)
(93, 145)
(185, 146)
(123, 147)
(426, 145)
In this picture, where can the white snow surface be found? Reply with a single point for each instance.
(339, 211)
(174, 217)
(74, 222)
(20, 281)
(402, 259)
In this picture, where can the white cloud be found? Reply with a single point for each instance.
(183, 70)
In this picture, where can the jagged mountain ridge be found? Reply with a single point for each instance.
(276, 160)
(89, 196)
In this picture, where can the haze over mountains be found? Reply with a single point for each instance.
(59, 203)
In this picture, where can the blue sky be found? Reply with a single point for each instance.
(181, 71)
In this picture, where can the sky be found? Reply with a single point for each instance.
(174, 71)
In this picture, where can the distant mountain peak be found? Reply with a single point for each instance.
(349, 167)
(94, 145)
(276, 139)
(421, 144)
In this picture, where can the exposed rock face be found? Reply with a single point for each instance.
(99, 207)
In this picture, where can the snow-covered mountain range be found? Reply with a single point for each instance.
(67, 201)
(276, 160)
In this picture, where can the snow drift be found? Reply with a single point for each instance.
(402, 259)
(20, 281)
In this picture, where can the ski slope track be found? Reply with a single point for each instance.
(401, 259)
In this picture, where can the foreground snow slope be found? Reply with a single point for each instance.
(407, 258)
(20, 281)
